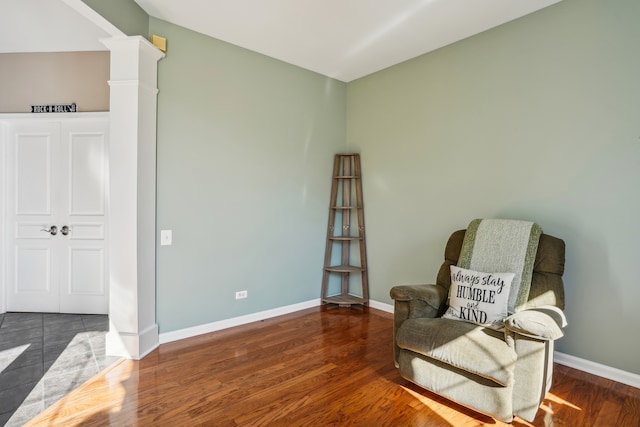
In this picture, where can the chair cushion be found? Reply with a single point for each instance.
(473, 348)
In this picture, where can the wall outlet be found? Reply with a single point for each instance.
(241, 294)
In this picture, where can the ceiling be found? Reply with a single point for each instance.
(46, 26)
(343, 39)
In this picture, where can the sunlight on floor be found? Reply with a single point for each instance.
(8, 356)
(434, 406)
(553, 398)
(549, 406)
(111, 396)
(108, 396)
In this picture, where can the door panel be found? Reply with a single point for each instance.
(87, 173)
(33, 269)
(86, 268)
(33, 280)
(32, 284)
(83, 283)
(33, 171)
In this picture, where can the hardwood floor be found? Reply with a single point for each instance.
(317, 367)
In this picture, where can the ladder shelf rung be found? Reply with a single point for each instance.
(344, 268)
(346, 237)
(344, 299)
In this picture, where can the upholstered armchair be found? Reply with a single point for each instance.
(502, 370)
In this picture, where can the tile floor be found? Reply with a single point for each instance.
(44, 356)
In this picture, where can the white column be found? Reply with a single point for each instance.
(133, 331)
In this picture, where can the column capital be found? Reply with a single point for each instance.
(133, 58)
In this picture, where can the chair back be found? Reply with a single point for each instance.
(547, 287)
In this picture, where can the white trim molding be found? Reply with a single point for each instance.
(132, 345)
(598, 369)
(235, 321)
(381, 306)
(193, 331)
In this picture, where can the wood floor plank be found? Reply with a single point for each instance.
(317, 367)
(630, 412)
(608, 414)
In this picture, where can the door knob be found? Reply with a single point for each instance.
(64, 230)
(53, 230)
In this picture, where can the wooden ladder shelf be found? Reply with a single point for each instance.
(346, 177)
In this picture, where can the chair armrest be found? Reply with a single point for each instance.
(434, 295)
(415, 301)
(543, 323)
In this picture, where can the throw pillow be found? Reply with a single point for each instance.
(478, 297)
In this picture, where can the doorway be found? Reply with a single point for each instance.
(56, 214)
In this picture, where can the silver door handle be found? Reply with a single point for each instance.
(53, 230)
(64, 230)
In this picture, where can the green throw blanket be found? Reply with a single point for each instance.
(503, 246)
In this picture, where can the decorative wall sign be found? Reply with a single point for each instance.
(60, 108)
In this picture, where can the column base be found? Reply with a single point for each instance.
(131, 345)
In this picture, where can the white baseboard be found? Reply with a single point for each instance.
(598, 369)
(254, 317)
(131, 345)
(381, 306)
(235, 321)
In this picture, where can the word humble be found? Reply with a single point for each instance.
(476, 294)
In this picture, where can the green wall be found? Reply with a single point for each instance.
(538, 119)
(245, 154)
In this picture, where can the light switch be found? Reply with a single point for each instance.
(166, 237)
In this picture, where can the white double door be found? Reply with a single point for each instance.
(56, 216)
